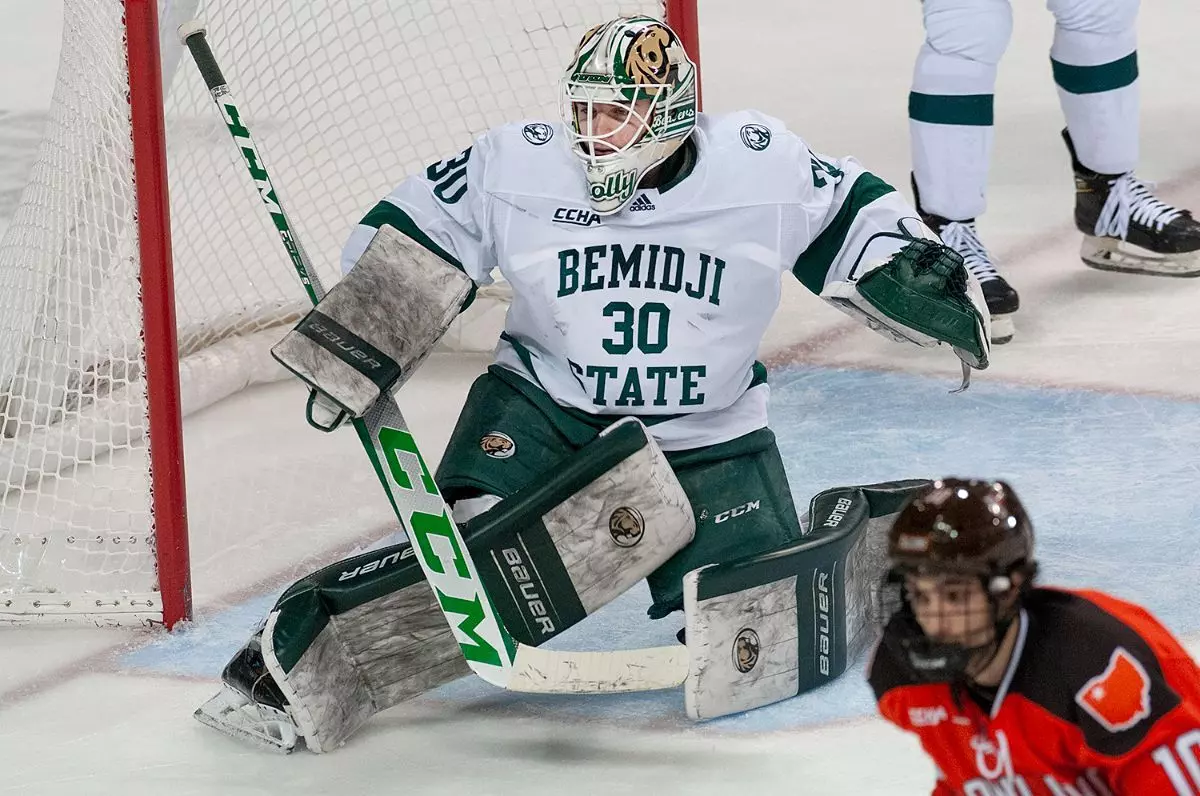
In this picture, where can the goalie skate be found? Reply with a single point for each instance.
(234, 714)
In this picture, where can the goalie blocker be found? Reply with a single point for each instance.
(367, 633)
(374, 328)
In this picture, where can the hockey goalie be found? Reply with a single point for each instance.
(621, 433)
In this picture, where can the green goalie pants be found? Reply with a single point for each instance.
(511, 433)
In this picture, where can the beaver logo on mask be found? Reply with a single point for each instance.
(646, 61)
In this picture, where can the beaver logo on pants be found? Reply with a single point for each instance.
(497, 445)
(1118, 697)
(745, 650)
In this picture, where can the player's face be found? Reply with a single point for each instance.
(951, 609)
(615, 125)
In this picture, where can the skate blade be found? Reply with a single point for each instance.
(1112, 254)
(1003, 329)
(230, 713)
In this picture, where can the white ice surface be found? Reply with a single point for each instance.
(75, 718)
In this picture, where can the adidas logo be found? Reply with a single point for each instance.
(642, 203)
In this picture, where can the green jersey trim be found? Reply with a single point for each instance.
(814, 263)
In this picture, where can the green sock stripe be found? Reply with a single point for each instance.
(1096, 79)
(973, 110)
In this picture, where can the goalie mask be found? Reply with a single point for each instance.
(628, 102)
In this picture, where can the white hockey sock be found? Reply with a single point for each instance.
(1094, 60)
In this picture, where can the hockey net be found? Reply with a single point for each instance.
(344, 98)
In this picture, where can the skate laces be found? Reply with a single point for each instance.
(964, 239)
(1130, 199)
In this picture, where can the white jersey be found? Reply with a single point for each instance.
(657, 310)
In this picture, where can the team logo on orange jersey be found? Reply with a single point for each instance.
(1118, 697)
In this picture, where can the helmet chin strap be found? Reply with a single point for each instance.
(996, 586)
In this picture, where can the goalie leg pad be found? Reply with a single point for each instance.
(563, 547)
(366, 633)
(356, 638)
(372, 330)
(768, 627)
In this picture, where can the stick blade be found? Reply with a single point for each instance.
(538, 671)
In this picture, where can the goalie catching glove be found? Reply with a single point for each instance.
(921, 294)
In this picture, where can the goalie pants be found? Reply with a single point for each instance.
(1093, 62)
(510, 433)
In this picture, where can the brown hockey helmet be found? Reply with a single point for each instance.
(962, 526)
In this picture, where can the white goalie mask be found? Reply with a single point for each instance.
(628, 102)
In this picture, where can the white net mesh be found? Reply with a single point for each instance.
(344, 99)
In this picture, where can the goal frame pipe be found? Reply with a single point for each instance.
(681, 16)
(159, 338)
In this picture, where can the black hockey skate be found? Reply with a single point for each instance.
(1002, 300)
(247, 673)
(250, 706)
(1126, 228)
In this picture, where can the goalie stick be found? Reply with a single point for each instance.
(422, 512)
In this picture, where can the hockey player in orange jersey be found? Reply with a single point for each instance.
(1019, 689)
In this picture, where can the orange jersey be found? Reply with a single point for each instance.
(1098, 700)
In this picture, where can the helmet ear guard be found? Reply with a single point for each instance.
(623, 62)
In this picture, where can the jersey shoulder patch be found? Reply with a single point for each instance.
(754, 158)
(1118, 697)
(750, 132)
